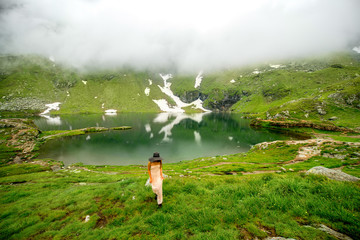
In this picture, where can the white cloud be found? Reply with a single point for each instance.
(190, 35)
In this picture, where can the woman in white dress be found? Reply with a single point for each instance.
(156, 176)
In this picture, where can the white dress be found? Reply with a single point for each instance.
(157, 182)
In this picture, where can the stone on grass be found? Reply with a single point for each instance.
(334, 233)
(278, 238)
(332, 174)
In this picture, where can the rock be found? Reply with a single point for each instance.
(337, 156)
(87, 218)
(321, 111)
(334, 233)
(278, 238)
(283, 169)
(286, 113)
(333, 118)
(330, 231)
(55, 168)
(291, 170)
(332, 174)
(17, 160)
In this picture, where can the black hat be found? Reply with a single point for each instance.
(156, 157)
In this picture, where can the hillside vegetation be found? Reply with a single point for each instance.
(318, 89)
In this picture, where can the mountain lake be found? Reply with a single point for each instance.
(176, 136)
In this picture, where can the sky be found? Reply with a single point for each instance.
(188, 35)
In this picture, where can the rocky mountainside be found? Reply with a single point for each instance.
(318, 89)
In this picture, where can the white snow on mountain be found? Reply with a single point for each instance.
(147, 91)
(198, 79)
(51, 106)
(164, 105)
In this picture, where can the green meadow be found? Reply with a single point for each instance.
(245, 196)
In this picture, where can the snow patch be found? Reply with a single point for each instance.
(230, 138)
(88, 137)
(150, 82)
(198, 104)
(95, 97)
(197, 137)
(356, 49)
(102, 105)
(52, 120)
(111, 112)
(51, 106)
(166, 76)
(198, 79)
(84, 82)
(147, 91)
(256, 71)
(51, 58)
(164, 105)
(162, 118)
(147, 127)
(67, 94)
(197, 117)
(276, 65)
(232, 81)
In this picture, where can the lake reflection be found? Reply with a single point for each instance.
(176, 136)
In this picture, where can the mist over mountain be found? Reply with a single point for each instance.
(183, 35)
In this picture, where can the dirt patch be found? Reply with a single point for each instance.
(221, 163)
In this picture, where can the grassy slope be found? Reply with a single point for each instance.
(32, 77)
(308, 82)
(124, 92)
(38, 78)
(40, 204)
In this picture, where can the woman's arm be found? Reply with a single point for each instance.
(149, 167)
(161, 174)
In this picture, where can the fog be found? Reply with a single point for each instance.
(187, 35)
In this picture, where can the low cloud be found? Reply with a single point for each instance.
(186, 35)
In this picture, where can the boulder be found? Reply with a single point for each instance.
(278, 238)
(332, 174)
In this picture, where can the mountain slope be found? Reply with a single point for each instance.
(316, 89)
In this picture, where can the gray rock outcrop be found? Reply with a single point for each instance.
(332, 174)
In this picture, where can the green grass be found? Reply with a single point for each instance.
(200, 200)
(55, 204)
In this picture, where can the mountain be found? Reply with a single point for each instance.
(319, 89)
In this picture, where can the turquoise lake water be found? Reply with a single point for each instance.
(176, 137)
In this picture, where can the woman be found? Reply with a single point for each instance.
(156, 176)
